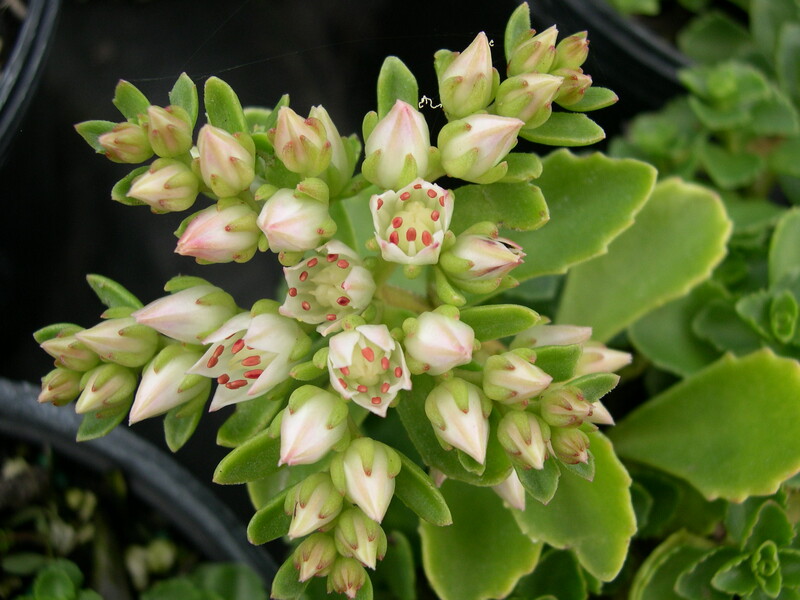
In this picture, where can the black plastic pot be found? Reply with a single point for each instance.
(153, 476)
(21, 73)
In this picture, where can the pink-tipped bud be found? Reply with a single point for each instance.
(167, 186)
(437, 341)
(467, 81)
(314, 556)
(565, 407)
(343, 155)
(126, 143)
(459, 413)
(297, 220)
(574, 86)
(301, 144)
(347, 576)
(511, 491)
(512, 377)
(397, 150)
(528, 97)
(571, 52)
(473, 148)
(524, 436)
(534, 55)
(312, 424)
(571, 446)
(169, 130)
(105, 386)
(60, 386)
(70, 352)
(357, 536)
(313, 504)
(598, 358)
(551, 335)
(227, 162)
(221, 233)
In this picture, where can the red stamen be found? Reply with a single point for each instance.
(397, 222)
(431, 193)
(362, 388)
(343, 301)
(411, 234)
(385, 363)
(441, 200)
(253, 374)
(293, 292)
(237, 346)
(398, 371)
(330, 317)
(418, 186)
(376, 400)
(305, 305)
(223, 379)
(435, 215)
(405, 196)
(342, 264)
(385, 387)
(235, 385)
(380, 203)
(251, 361)
(332, 257)
(427, 238)
(312, 263)
(368, 353)
(218, 350)
(342, 383)
(394, 237)
(303, 275)
(212, 362)
(345, 371)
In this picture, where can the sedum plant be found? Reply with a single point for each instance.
(428, 385)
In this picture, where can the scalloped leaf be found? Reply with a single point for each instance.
(255, 459)
(129, 100)
(416, 490)
(582, 223)
(558, 574)
(678, 238)
(395, 82)
(476, 558)
(565, 129)
(732, 430)
(112, 293)
(222, 105)
(656, 577)
(593, 518)
(184, 94)
(519, 206)
(493, 321)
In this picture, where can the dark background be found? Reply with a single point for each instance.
(59, 222)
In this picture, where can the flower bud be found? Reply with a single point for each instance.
(122, 341)
(60, 386)
(511, 491)
(479, 259)
(314, 556)
(574, 86)
(437, 341)
(410, 224)
(534, 55)
(512, 377)
(600, 415)
(357, 536)
(188, 315)
(571, 446)
(166, 383)
(459, 413)
(528, 97)
(227, 162)
(551, 335)
(249, 356)
(524, 436)
(297, 220)
(365, 473)
(565, 407)
(343, 158)
(169, 130)
(69, 351)
(126, 143)
(312, 424)
(473, 147)
(104, 386)
(597, 358)
(367, 366)
(467, 81)
(397, 150)
(571, 52)
(327, 287)
(347, 576)
(301, 144)
(313, 504)
(221, 233)
(167, 186)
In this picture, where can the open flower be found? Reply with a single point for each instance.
(249, 356)
(327, 287)
(367, 366)
(410, 224)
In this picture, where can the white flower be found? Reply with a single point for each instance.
(295, 222)
(221, 233)
(227, 166)
(438, 342)
(466, 85)
(167, 186)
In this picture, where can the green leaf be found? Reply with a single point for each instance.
(736, 576)
(91, 132)
(595, 385)
(130, 101)
(493, 321)
(184, 94)
(766, 19)
(719, 324)
(23, 563)
(519, 206)
(713, 37)
(784, 249)
(248, 419)
(584, 217)
(285, 586)
(397, 568)
(99, 423)
(119, 193)
(677, 240)
(522, 167)
(229, 581)
(417, 492)
(517, 29)
(542, 483)
(51, 331)
(774, 116)
(565, 129)
(223, 108)
(256, 458)
(593, 518)
(772, 524)
(111, 293)
(655, 579)
(395, 82)
(730, 170)
(52, 583)
(721, 429)
(695, 581)
(665, 334)
(595, 98)
(558, 361)
(782, 159)
(412, 414)
(270, 522)
(475, 558)
(178, 587)
(559, 574)
(787, 59)
(181, 421)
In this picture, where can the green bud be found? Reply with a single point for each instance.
(169, 130)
